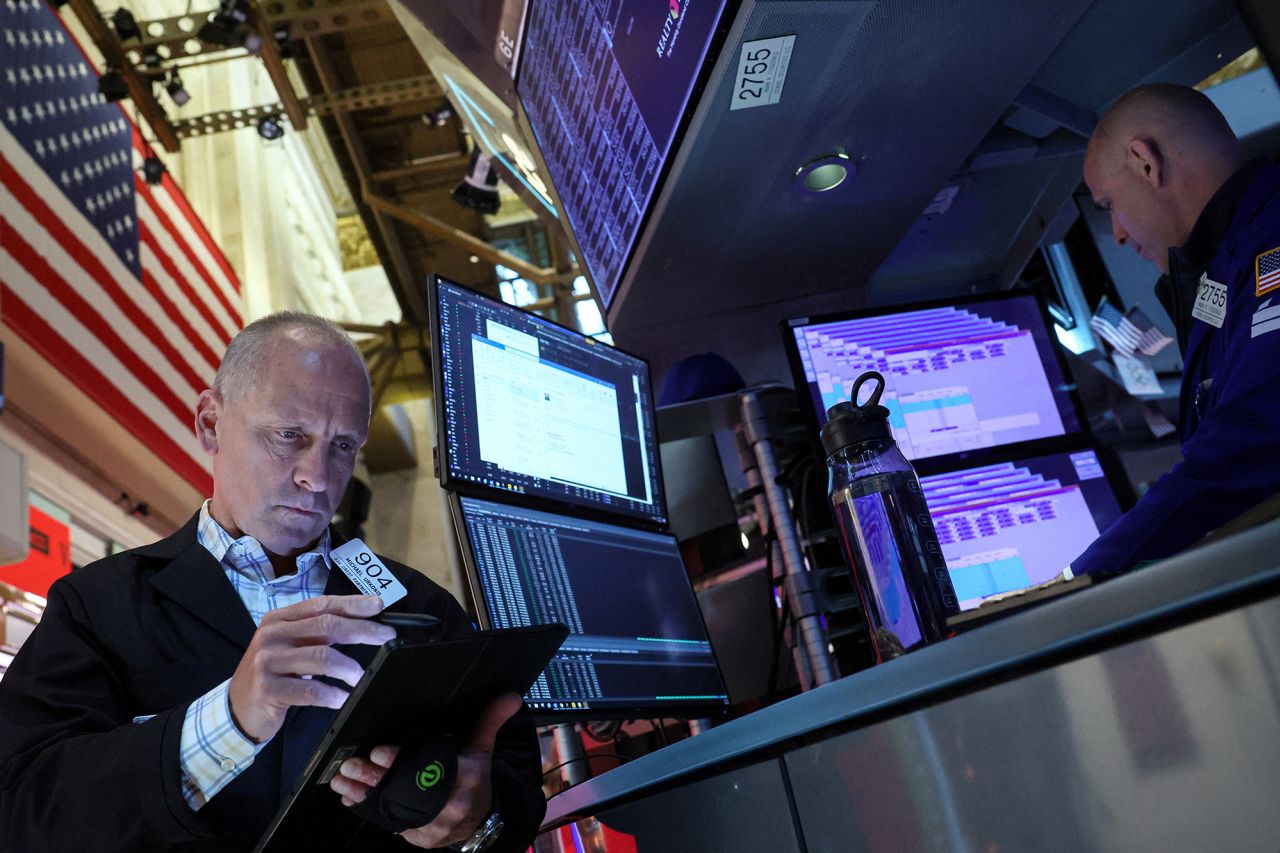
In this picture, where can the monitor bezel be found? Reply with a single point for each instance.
(1083, 433)
(1108, 458)
(715, 44)
(538, 502)
(478, 607)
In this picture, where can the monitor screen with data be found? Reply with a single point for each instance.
(1009, 525)
(958, 377)
(529, 407)
(637, 642)
(605, 86)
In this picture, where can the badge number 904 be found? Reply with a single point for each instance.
(762, 71)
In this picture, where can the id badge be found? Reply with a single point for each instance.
(367, 572)
(1211, 302)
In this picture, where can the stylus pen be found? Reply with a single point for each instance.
(407, 620)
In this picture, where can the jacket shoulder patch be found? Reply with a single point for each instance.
(1266, 271)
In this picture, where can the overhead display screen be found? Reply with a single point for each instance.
(530, 407)
(957, 378)
(604, 85)
(1012, 525)
(636, 636)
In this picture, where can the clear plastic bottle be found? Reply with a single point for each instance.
(885, 528)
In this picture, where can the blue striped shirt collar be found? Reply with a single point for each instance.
(246, 556)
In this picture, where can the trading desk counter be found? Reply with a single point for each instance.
(1139, 714)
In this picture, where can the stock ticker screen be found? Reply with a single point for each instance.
(957, 378)
(636, 638)
(533, 408)
(604, 84)
(1011, 525)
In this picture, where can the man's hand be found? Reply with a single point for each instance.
(471, 800)
(290, 645)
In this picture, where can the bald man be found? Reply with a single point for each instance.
(1168, 168)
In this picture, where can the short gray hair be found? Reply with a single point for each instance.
(241, 364)
(1178, 115)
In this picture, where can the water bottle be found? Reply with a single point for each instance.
(885, 528)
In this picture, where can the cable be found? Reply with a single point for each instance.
(622, 759)
(777, 647)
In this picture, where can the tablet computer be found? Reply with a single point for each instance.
(411, 684)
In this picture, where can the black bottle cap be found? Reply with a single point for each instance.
(849, 424)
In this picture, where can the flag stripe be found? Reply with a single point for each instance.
(181, 288)
(76, 364)
(28, 325)
(115, 282)
(41, 274)
(177, 307)
(169, 196)
(59, 216)
(56, 232)
(119, 312)
(191, 270)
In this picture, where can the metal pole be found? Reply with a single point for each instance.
(813, 639)
(573, 756)
(760, 503)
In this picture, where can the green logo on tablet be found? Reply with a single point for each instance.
(430, 775)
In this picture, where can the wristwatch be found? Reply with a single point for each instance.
(486, 833)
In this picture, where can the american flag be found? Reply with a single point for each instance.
(115, 281)
(1152, 338)
(1114, 328)
(1268, 271)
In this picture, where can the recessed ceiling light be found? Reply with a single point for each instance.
(826, 172)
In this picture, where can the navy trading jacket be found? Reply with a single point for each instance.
(1230, 401)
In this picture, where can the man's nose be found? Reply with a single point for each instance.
(1118, 233)
(312, 470)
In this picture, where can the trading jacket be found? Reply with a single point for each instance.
(1230, 398)
(146, 632)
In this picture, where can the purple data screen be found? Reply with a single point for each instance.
(958, 378)
(1016, 524)
(604, 83)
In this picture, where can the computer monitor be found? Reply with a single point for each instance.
(604, 87)
(1009, 525)
(959, 375)
(637, 642)
(533, 408)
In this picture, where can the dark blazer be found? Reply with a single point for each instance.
(146, 632)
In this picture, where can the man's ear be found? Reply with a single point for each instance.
(208, 413)
(1146, 161)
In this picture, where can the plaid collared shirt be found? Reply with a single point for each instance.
(213, 750)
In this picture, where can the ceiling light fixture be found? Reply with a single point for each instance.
(827, 172)
(152, 170)
(229, 26)
(112, 87)
(126, 25)
(479, 189)
(177, 92)
(270, 128)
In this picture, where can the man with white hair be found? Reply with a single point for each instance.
(171, 694)
(1166, 165)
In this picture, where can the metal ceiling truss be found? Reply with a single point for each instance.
(175, 38)
(390, 93)
(399, 270)
(385, 353)
(113, 54)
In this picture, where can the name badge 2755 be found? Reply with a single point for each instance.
(762, 72)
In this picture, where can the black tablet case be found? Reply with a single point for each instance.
(440, 685)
